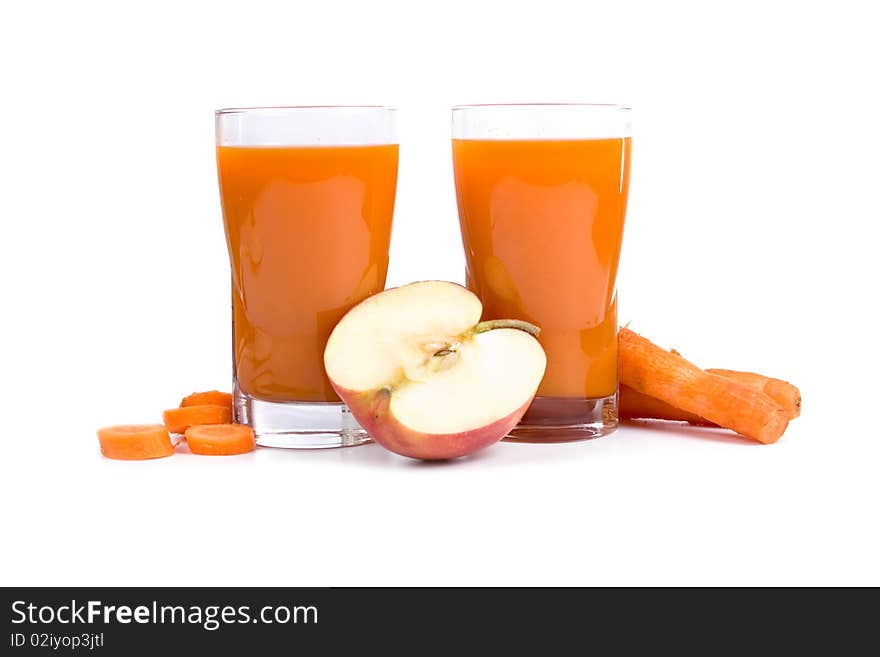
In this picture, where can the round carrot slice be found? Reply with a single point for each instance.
(134, 442)
(208, 397)
(220, 439)
(178, 420)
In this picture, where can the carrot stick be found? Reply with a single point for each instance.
(214, 397)
(658, 373)
(633, 405)
(220, 439)
(782, 392)
(134, 442)
(178, 420)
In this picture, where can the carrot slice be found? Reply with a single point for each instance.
(134, 442)
(666, 376)
(633, 405)
(214, 397)
(220, 439)
(178, 420)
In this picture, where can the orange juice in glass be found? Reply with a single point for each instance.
(542, 193)
(308, 198)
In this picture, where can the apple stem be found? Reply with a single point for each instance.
(492, 324)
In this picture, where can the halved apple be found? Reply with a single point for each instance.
(425, 377)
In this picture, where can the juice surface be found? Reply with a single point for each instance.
(308, 230)
(542, 224)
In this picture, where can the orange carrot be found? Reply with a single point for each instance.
(214, 397)
(658, 373)
(782, 392)
(220, 439)
(178, 420)
(633, 405)
(134, 442)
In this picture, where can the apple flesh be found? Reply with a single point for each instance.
(425, 377)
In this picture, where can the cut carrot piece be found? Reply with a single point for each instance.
(134, 442)
(178, 420)
(782, 392)
(652, 371)
(220, 439)
(214, 397)
(633, 405)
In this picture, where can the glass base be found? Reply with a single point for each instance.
(563, 419)
(298, 425)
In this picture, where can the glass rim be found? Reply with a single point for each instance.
(292, 108)
(606, 106)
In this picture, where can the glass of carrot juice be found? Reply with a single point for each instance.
(542, 193)
(308, 197)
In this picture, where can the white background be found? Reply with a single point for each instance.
(750, 244)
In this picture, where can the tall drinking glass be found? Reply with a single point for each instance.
(542, 193)
(308, 198)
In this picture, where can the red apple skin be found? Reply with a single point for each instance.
(371, 410)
